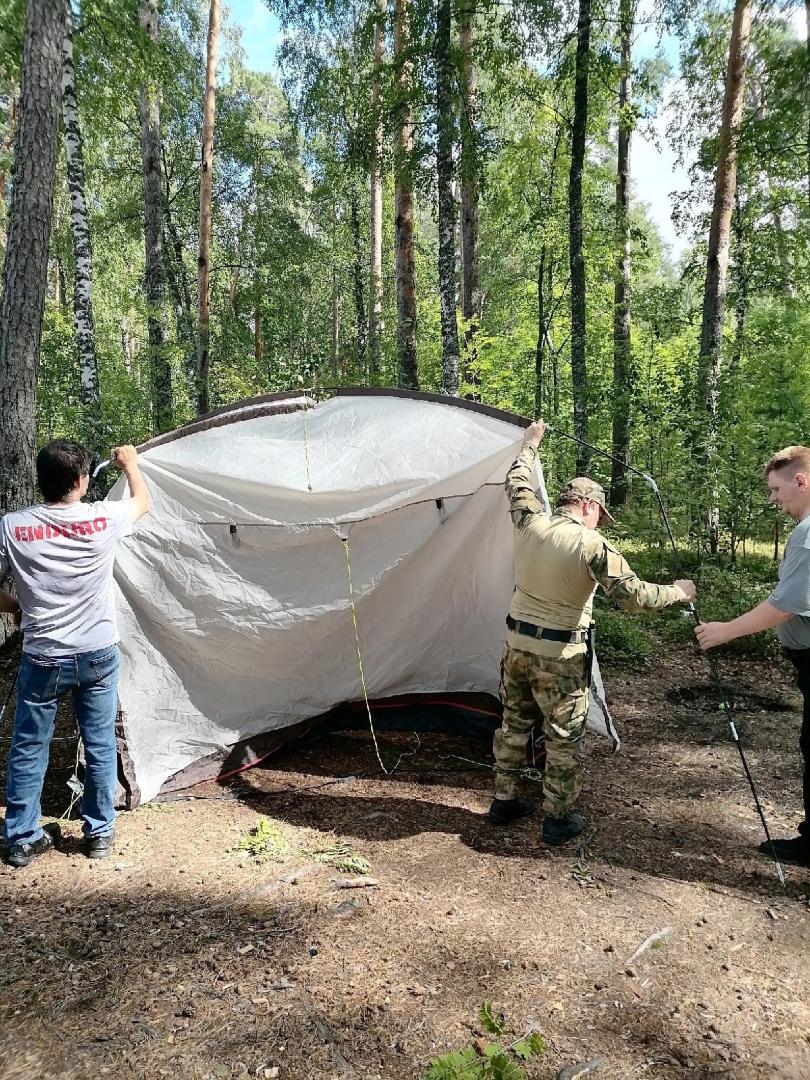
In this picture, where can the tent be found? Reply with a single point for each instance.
(302, 554)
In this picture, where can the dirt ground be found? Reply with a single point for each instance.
(180, 957)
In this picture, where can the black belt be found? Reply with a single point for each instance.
(569, 637)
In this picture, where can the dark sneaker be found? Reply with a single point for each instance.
(795, 849)
(504, 811)
(558, 830)
(23, 854)
(99, 847)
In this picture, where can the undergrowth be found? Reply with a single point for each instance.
(485, 1059)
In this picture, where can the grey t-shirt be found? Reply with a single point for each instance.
(62, 561)
(793, 591)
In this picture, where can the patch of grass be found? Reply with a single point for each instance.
(264, 842)
(341, 856)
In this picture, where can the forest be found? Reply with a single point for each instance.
(434, 195)
(596, 212)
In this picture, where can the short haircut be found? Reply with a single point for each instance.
(792, 457)
(60, 466)
(569, 498)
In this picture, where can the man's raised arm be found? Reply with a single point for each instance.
(126, 458)
(520, 478)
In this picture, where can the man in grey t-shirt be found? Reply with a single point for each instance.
(61, 554)
(787, 610)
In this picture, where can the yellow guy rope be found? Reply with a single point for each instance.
(345, 541)
(306, 448)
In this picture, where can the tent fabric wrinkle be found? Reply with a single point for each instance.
(233, 594)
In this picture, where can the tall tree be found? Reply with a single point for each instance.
(714, 294)
(807, 89)
(445, 130)
(471, 297)
(375, 307)
(25, 271)
(579, 370)
(403, 199)
(80, 232)
(357, 277)
(160, 373)
(622, 355)
(206, 181)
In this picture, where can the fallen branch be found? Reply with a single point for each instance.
(582, 1068)
(356, 883)
(653, 939)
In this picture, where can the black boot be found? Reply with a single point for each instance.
(99, 847)
(505, 811)
(23, 854)
(558, 830)
(795, 849)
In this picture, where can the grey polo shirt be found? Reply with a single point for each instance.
(793, 591)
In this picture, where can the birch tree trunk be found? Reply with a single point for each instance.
(25, 271)
(160, 375)
(375, 308)
(714, 295)
(80, 233)
(180, 288)
(471, 298)
(622, 356)
(206, 178)
(357, 275)
(445, 125)
(579, 370)
(403, 197)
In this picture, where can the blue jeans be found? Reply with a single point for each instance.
(42, 681)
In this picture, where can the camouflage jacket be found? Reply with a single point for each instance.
(558, 564)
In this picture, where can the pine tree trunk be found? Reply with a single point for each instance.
(160, 374)
(206, 179)
(622, 356)
(5, 147)
(471, 298)
(714, 296)
(80, 232)
(445, 125)
(357, 275)
(403, 197)
(25, 271)
(579, 370)
(375, 311)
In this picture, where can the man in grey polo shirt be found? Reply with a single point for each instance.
(787, 610)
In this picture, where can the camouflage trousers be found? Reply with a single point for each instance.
(538, 689)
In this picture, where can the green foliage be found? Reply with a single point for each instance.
(622, 639)
(488, 1060)
(341, 856)
(264, 842)
(495, 1025)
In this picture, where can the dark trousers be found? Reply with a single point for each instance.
(801, 661)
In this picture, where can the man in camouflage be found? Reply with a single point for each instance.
(560, 559)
